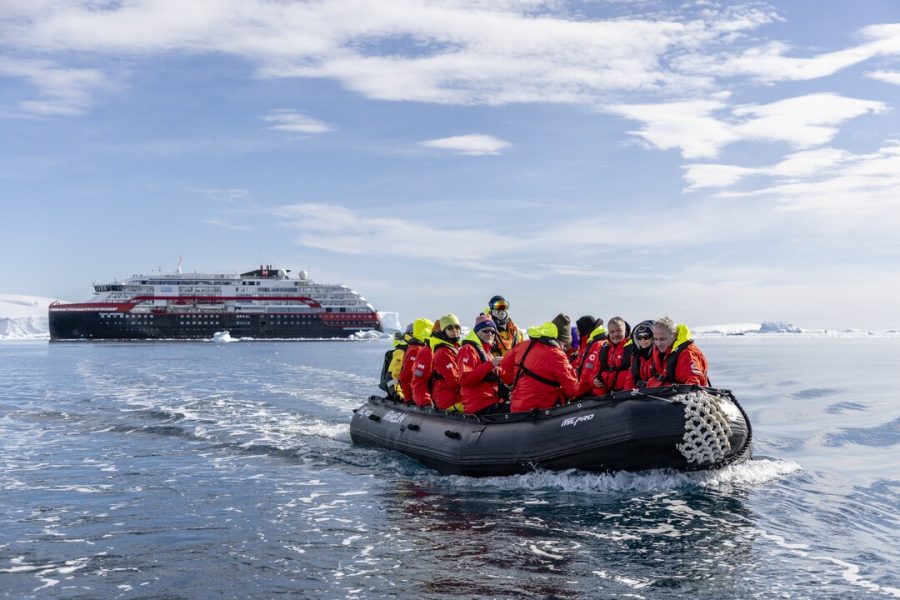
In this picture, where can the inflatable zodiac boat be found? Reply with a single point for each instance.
(678, 427)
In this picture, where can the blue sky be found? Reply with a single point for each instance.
(715, 161)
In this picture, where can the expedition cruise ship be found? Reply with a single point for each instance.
(265, 303)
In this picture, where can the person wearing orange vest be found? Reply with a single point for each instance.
(642, 355)
(676, 359)
(421, 372)
(421, 330)
(508, 334)
(478, 378)
(444, 381)
(614, 373)
(537, 369)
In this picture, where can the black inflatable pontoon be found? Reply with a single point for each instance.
(678, 427)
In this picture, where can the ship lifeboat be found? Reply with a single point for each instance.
(686, 428)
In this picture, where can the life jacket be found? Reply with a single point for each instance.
(683, 341)
(596, 337)
(541, 335)
(385, 372)
(613, 382)
(502, 344)
(386, 377)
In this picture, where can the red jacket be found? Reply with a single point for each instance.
(615, 366)
(589, 369)
(641, 367)
(689, 366)
(444, 374)
(547, 361)
(477, 376)
(421, 377)
(406, 372)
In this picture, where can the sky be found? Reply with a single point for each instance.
(713, 161)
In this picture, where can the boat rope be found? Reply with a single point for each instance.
(706, 428)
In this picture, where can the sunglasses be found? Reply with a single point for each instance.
(500, 306)
(644, 336)
(488, 332)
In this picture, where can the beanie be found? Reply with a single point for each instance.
(447, 320)
(484, 322)
(587, 324)
(563, 323)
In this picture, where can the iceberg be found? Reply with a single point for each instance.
(24, 317)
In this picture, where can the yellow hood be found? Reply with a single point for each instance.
(422, 329)
(682, 335)
(547, 330)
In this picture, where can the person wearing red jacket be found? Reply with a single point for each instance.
(589, 368)
(478, 379)
(586, 326)
(676, 359)
(538, 371)
(642, 355)
(444, 384)
(614, 373)
(420, 334)
(420, 383)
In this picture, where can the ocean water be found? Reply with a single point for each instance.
(206, 470)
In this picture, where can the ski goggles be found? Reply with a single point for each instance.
(500, 305)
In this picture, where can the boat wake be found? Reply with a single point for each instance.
(749, 473)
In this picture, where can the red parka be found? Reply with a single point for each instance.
(682, 363)
(589, 368)
(551, 380)
(406, 372)
(477, 375)
(421, 377)
(444, 374)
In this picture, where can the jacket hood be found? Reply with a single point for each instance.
(422, 329)
(547, 330)
(597, 332)
(682, 335)
(435, 342)
(472, 337)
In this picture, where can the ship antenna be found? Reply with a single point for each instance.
(180, 260)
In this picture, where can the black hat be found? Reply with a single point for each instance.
(587, 324)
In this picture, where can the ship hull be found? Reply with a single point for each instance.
(96, 325)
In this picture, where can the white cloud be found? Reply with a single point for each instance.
(837, 183)
(340, 229)
(62, 91)
(886, 76)
(294, 122)
(450, 51)
(807, 163)
(769, 62)
(802, 122)
(227, 225)
(470, 145)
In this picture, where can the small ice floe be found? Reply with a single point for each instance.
(222, 337)
(370, 334)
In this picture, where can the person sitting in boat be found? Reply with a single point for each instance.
(478, 378)
(614, 374)
(508, 334)
(418, 361)
(537, 369)
(393, 363)
(589, 367)
(585, 325)
(444, 381)
(642, 353)
(676, 359)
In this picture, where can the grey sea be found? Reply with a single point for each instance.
(204, 470)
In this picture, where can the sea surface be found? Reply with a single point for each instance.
(225, 470)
